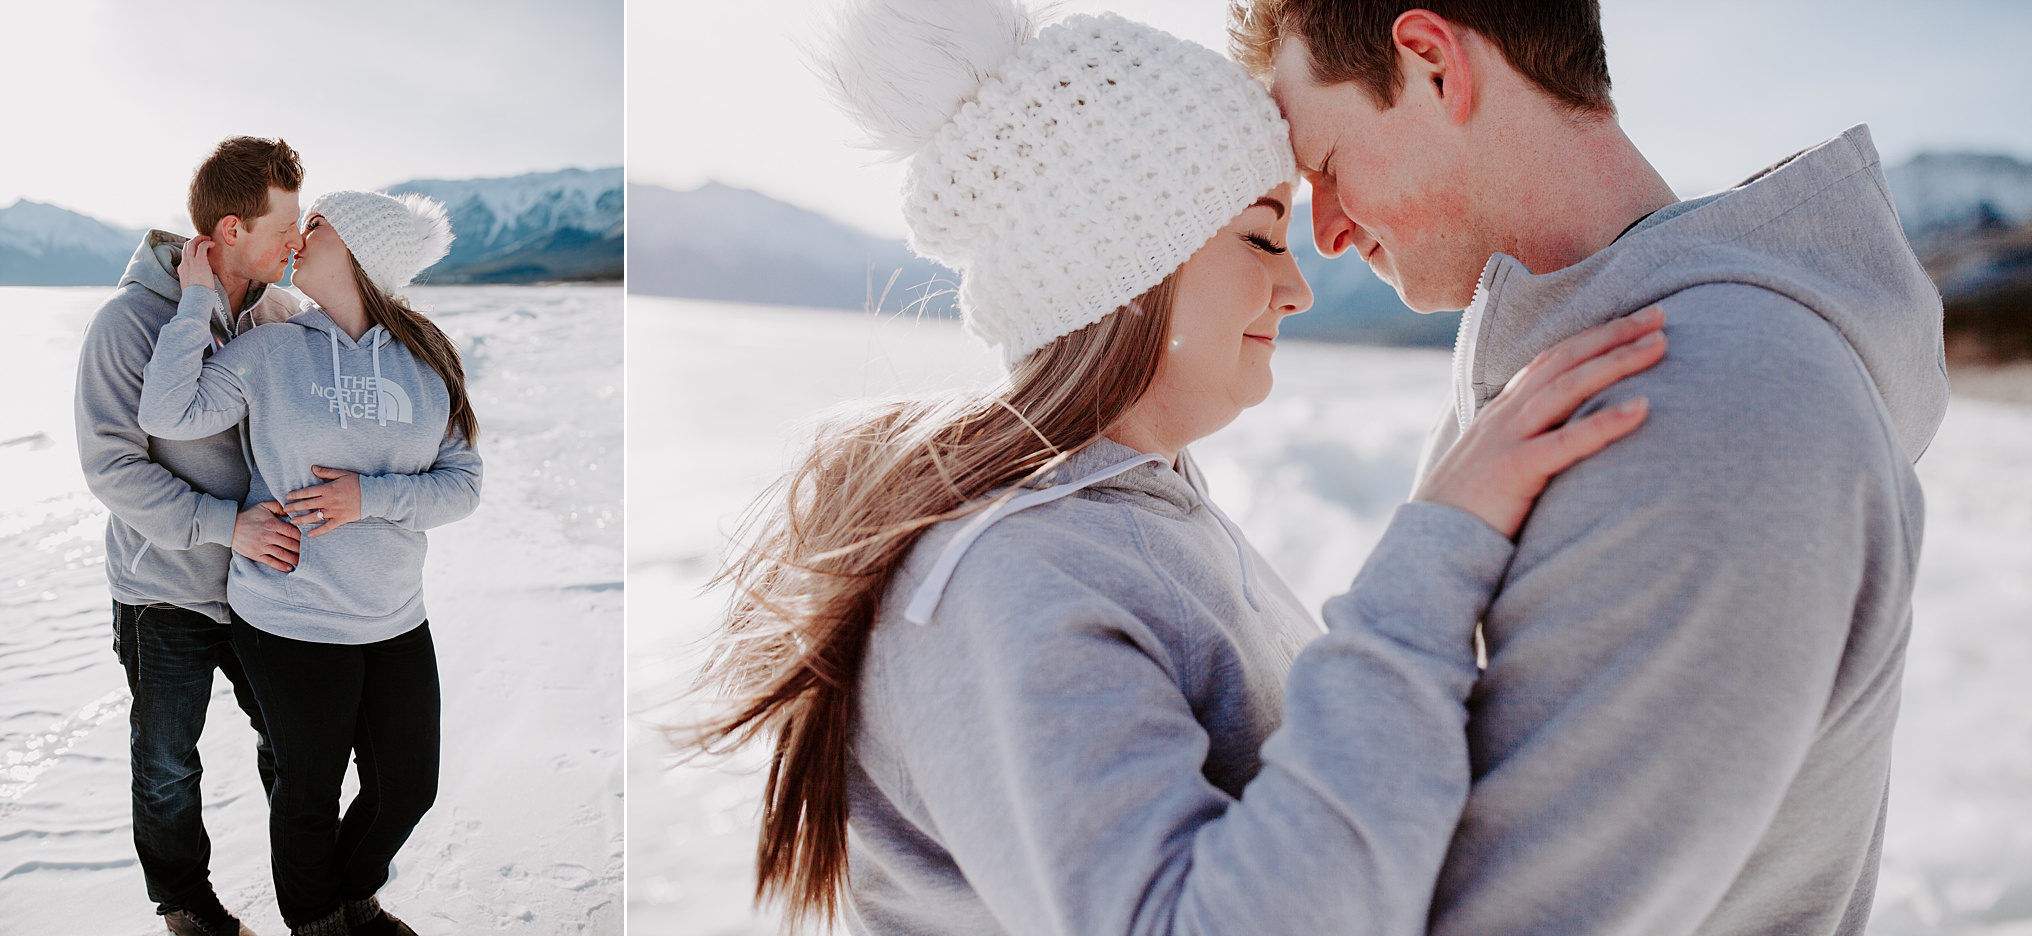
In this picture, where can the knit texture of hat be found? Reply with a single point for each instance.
(1062, 173)
(394, 237)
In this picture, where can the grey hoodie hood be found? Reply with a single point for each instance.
(154, 268)
(172, 501)
(1818, 228)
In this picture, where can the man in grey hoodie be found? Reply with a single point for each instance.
(1693, 659)
(175, 510)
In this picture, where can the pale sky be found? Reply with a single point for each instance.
(1711, 91)
(111, 103)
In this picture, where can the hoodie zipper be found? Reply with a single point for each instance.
(1466, 342)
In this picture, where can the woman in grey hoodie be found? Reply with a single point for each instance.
(359, 429)
(1019, 673)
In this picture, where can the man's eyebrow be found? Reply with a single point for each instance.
(1274, 203)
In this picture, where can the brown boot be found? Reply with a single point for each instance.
(368, 919)
(204, 916)
(331, 924)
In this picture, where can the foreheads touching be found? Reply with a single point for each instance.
(1406, 119)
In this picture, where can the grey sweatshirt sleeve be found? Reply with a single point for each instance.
(1059, 762)
(113, 447)
(448, 492)
(1666, 646)
(184, 395)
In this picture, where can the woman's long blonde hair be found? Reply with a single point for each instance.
(425, 340)
(822, 544)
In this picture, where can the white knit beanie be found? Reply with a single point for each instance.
(1063, 172)
(393, 237)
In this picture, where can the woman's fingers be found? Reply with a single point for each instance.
(1565, 393)
(1551, 363)
(326, 527)
(1561, 448)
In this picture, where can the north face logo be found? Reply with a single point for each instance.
(365, 398)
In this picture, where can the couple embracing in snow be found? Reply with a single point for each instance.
(1626, 662)
(270, 466)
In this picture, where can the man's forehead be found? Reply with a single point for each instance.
(1290, 86)
(1290, 68)
(283, 202)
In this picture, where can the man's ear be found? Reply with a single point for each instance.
(228, 231)
(1433, 56)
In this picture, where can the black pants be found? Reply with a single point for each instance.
(377, 702)
(169, 654)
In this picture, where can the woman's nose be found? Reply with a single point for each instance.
(1291, 294)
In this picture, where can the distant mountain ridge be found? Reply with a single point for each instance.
(544, 226)
(721, 242)
(43, 245)
(538, 227)
(1968, 217)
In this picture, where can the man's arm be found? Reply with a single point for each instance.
(113, 450)
(1666, 647)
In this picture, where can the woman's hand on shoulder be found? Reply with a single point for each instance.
(1523, 437)
(331, 504)
(195, 269)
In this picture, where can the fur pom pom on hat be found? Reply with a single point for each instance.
(395, 237)
(1062, 171)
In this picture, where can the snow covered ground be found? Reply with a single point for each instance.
(719, 391)
(525, 599)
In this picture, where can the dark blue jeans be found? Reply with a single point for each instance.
(377, 702)
(169, 654)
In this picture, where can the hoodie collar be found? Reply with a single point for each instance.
(1103, 464)
(1817, 227)
(313, 316)
(154, 267)
(1173, 486)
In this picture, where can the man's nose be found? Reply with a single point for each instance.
(1332, 231)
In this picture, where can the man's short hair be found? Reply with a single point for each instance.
(235, 179)
(1557, 44)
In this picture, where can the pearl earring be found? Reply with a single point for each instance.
(1177, 342)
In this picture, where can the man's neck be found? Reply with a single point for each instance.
(1570, 196)
(236, 288)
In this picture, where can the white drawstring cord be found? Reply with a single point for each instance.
(338, 395)
(379, 409)
(925, 601)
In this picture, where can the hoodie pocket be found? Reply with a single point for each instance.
(368, 568)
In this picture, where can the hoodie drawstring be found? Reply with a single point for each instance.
(379, 410)
(927, 596)
(336, 382)
(926, 599)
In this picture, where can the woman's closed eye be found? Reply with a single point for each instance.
(1264, 244)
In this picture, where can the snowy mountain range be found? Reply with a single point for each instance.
(546, 226)
(43, 245)
(720, 242)
(1969, 218)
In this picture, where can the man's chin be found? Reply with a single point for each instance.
(1426, 301)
